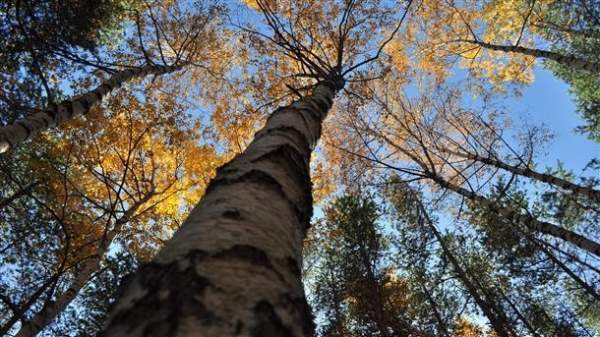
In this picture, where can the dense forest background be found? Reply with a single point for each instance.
(294, 168)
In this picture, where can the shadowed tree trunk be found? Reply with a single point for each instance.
(233, 268)
(14, 134)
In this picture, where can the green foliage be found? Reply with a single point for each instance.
(573, 28)
(355, 289)
(46, 40)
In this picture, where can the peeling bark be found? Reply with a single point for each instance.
(232, 269)
(14, 134)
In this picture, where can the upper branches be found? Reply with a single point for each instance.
(324, 40)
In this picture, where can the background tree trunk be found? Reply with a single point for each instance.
(18, 132)
(570, 61)
(526, 220)
(590, 193)
(83, 274)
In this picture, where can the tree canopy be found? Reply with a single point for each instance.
(299, 168)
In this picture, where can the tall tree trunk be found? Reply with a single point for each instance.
(590, 193)
(14, 134)
(19, 310)
(518, 217)
(513, 215)
(83, 274)
(571, 61)
(583, 284)
(495, 316)
(233, 268)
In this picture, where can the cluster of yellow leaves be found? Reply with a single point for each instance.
(436, 40)
(235, 126)
(396, 290)
(323, 183)
(466, 328)
(256, 4)
(142, 159)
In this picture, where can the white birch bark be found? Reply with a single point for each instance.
(14, 134)
(233, 268)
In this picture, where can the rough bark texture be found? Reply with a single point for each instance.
(526, 220)
(590, 193)
(567, 60)
(233, 268)
(18, 132)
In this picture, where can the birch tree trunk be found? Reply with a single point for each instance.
(571, 61)
(14, 134)
(590, 193)
(233, 268)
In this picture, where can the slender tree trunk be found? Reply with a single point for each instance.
(53, 308)
(584, 285)
(14, 134)
(529, 327)
(233, 268)
(495, 316)
(21, 309)
(571, 61)
(83, 274)
(21, 192)
(442, 326)
(590, 193)
(524, 219)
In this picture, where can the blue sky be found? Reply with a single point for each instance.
(548, 101)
